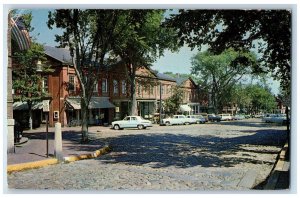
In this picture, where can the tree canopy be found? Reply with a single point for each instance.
(219, 73)
(269, 31)
(99, 37)
(26, 78)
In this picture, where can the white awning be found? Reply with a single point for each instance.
(21, 106)
(95, 103)
(185, 108)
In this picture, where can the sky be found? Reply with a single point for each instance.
(176, 62)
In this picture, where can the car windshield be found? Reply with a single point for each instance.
(126, 118)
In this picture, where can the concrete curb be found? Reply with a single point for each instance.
(97, 153)
(281, 165)
(30, 165)
(42, 163)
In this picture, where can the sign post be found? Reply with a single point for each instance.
(46, 109)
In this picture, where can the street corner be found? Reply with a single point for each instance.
(30, 165)
(96, 154)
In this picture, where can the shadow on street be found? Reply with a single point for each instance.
(163, 150)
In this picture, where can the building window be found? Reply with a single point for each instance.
(45, 85)
(151, 89)
(166, 89)
(139, 89)
(162, 89)
(72, 83)
(124, 88)
(95, 88)
(116, 87)
(104, 85)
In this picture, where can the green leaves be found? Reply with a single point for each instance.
(219, 72)
(241, 29)
(172, 103)
(27, 80)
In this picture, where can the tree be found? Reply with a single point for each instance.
(261, 99)
(142, 39)
(26, 79)
(90, 35)
(219, 73)
(172, 103)
(253, 98)
(267, 30)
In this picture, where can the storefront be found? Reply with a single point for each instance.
(101, 111)
(146, 108)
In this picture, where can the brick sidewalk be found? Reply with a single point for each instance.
(35, 148)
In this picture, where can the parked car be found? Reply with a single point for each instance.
(267, 117)
(279, 118)
(214, 118)
(197, 119)
(205, 115)
(247, 116)
(238, 117)
(191, 118)
(176, 119)
(131, 122)
(225, 117)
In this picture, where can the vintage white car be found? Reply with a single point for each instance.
(176, 119)
(131, 122)
(225, 117)
(275, 118)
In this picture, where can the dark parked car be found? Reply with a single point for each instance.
(214, 118)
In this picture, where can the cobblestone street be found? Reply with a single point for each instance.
(237, 155)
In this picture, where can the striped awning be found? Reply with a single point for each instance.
(95, 103)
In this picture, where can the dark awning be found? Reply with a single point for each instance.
(22, 106)
(95, 103)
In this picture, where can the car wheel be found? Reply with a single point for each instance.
(198, 122)
(186, 123)
(168, 123)
(116, 127)
(140, 126)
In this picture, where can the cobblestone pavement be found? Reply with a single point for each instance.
(234, 155)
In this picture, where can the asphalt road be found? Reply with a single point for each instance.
(235, 155)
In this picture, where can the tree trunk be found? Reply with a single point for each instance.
(85, 119)
(133, 110)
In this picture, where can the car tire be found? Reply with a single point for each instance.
(117, 127)
(186, 123)
(168, 124)
(198, 122)
(140, 126)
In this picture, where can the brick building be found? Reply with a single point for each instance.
(111, 97)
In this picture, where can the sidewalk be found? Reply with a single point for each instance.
(35, 148)
(280, 175)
